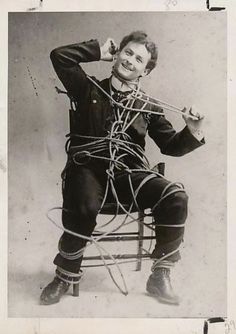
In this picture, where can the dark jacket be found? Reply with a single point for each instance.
(95, 112)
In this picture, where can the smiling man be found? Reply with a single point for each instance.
(117, 108)
(132, 61)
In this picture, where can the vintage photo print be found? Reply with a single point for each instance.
(178, 105)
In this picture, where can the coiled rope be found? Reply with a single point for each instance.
(114, 148)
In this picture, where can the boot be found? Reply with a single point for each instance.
(159, 286)
(52, 293)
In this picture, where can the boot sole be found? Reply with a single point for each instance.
(155, 293)
(43, 302)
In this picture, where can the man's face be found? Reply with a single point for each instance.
(132, 60)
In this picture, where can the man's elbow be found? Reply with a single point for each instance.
(54, 55)
(174, 152)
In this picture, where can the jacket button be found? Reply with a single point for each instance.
(94, 101)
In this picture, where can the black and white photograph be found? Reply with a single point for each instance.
(117, 164)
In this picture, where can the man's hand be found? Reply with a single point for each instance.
(108, 50)
(194, 125)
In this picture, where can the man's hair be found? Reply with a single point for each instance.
(142, 38)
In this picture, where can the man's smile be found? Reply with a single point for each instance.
(126, 67)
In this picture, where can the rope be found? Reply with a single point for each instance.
(158, 103)
(114, 148)
(118, 104)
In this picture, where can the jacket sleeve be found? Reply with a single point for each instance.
(66, 60)
(168, 140)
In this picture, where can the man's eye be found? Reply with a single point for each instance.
(128, 52)
(139, 60)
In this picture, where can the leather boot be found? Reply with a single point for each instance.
(159, 286)
(52, 293)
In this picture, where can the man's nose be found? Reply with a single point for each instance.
(130, 60)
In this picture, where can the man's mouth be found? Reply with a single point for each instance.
(126, 67)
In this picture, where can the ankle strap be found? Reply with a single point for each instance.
(67, 276)
(162, 264)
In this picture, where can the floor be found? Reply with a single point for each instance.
(199, 278)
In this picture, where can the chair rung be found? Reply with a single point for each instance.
(115, 233)
(125, 238)
(117, 256)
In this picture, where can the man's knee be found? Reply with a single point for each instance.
(89, 210)
(179, 198)
(172, 207)
(82, 218)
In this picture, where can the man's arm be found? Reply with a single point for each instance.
(171, 142)
(66, 60)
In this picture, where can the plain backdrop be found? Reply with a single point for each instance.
(191, 70)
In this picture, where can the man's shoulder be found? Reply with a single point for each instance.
(152, 103)
(96, 84)
(98, 88)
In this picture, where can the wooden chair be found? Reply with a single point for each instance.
(138, 235)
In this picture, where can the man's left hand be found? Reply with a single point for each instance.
(194, 124)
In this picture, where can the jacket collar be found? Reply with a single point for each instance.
(105, 85)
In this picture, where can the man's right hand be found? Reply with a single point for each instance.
(108, 50)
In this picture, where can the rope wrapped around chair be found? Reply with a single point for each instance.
(114, 148)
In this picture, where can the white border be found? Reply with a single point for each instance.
(172, 326)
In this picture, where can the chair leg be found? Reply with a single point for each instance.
(76, 289)
(140, 241)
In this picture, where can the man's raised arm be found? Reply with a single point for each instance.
(66, 60)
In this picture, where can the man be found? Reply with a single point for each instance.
(117, 110)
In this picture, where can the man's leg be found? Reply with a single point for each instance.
(82, 197)
(169, 207)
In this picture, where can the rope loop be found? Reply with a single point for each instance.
(81, 158)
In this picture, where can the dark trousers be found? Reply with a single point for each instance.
(83, 193)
